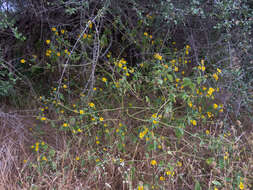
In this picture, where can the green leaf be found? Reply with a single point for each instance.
(197, 186)
(209, 161)
(179, 132)
(216, 183)
(170, 77)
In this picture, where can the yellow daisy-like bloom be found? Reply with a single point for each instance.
(77, 158)
(202, 68)
(215, 106)
(179, 164)
(241, 186)
(162, 178)
(91, 104)
(81, 112)
(43, 118)
(101, 119)
(58, 54)
(215, 76)
(140, 187)
(210, 91)
(193, 122)
(218, 70)
(65, 125)
(62, 31)
(90, 24)
(155, 122)
(141, 135)
(207, 132)
(104, 79)
(65, 86)
(158, 56)
(176, 69)
(145, 34)
(44, 158)
(53, 29)
(168, 172)
(85, 36)
(47, 41)
(22, 61)
(153, 162)
(226, 156)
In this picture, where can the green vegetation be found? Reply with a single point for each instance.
(126, 94)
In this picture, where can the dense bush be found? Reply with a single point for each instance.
(160, 90)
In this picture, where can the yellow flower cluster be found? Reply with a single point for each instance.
(158, 56)
(187, 49)
(142, 134)
(48, 53)
(202, 67)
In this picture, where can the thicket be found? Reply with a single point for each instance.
(128, 94)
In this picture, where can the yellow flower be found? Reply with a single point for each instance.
(65, 125)
(153, 162)
(65, 86)
(202, 68)
(162, 178)
(190, 104)
(210, 91)
(150, 36)
(91, 104)
(22, 61)
(101, 119)
(218, 70)
(226, 156)
(47, 41)
(215, 188)
(187, 46)
(141, 135)
(84, 36)
(140, 187)
(207, 132)
(43, 118)
(77, 158)
(24, 161)
(241, 186)
(104, 79)
(215, 76)
(97, 142)
(176, 69)
(155, 122)
(53, 29)
(179, 164)
(90, 24)
(58, 54)
(145, 34)
(44, 158)
(79, 130)
(120, 65)
(168, 172)
(193, 122)
(158, 56)
(81, 112)
(215, 106)
(62, 31)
